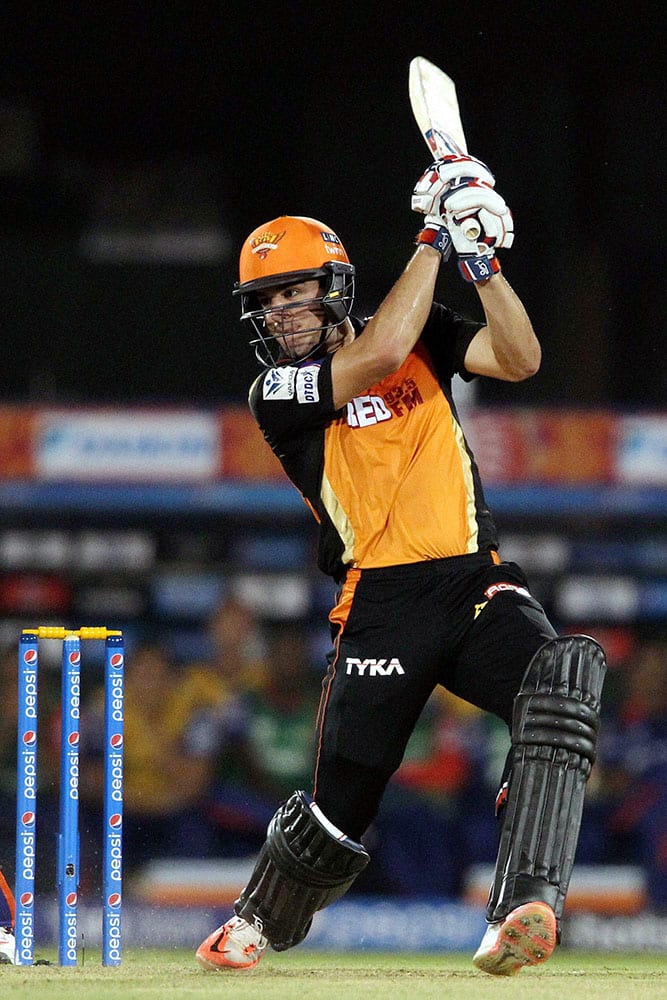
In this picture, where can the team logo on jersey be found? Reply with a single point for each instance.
(279, 383)
(265, 242)
(307, 390)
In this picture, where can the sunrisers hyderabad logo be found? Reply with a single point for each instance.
(262, 244)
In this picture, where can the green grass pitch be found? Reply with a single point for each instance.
(155, 975)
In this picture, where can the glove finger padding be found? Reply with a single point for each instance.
(444, 176)
(490, 211)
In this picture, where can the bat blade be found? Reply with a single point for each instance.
(435, 107)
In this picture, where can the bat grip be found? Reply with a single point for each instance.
(471, 228)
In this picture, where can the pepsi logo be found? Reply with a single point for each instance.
(116, 741)
(115, 821)
(30, 657)
(73, 739)
(30, 737)
(114, 899)
(28, 818)
(75, 658)
(26, 899)
(116, 660)
(71, 898)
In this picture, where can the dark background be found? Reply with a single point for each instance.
(270, 109)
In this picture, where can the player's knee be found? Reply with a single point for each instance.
(349, 793)
(558, 704)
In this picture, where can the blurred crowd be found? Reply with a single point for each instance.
(212, 747)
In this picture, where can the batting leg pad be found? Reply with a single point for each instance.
(306, 863)
(555, 727)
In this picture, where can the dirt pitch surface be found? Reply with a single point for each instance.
(155, 975)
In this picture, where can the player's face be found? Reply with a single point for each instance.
(295, 316)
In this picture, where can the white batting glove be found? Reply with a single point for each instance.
(479, 223)
(445, 176)
(435, 234)
(488, 208)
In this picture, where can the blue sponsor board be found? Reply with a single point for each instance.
(349, 925)
(360, 924)
(397, 925)
(281, 499)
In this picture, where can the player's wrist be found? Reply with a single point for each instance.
(478, 269)
(435, 235)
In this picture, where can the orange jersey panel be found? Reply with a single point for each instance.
(398, 482)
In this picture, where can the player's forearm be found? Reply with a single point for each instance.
(396, 326)
(512, 337)
(392, 332)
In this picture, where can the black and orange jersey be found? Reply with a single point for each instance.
(389, 477)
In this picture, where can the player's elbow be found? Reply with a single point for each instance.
(526, 369)
(532, 361)
(523, 364)
(519, 374)
(387, 360)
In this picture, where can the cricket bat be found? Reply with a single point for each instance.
(436, 110)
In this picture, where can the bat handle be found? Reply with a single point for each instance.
(471, 228)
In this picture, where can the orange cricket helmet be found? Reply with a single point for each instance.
(285, 251)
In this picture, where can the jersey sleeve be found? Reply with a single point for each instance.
(291, 399)
(447, 337)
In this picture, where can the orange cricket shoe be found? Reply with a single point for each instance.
(526, 936)
(235, 945)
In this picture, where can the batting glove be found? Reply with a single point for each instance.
(445, 176)
(478, 208)
(436, 235)
(488, 208)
